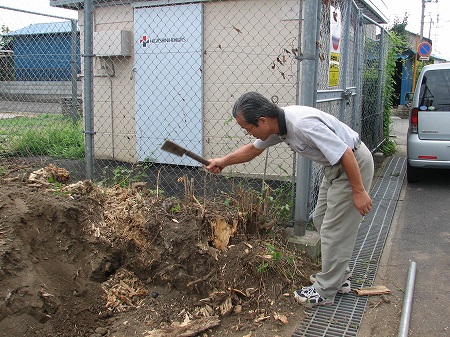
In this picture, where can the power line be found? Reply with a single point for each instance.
(382, 1)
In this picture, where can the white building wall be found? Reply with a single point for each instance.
(242, 42)
(114, 111)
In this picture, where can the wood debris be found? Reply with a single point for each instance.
(375, 290)
(79, 189)
(187, 328)
(280, 317)
(123, 291)
(226, 307)
(222, 231)
(205, 248)
(261, 318)
(49, 174)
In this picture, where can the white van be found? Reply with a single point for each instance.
(428, 139)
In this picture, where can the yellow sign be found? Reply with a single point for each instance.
(333, 75)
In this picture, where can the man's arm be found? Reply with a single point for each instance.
(241, 155)
(361, 198)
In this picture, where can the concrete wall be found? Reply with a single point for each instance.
(48, 91)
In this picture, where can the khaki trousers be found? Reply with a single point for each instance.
(337, 221)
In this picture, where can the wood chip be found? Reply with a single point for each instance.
(187, 328)
(226, 307)
(375, 290)
(261, 318)
(280, 317)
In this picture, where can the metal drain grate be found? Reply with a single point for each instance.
(344, 318)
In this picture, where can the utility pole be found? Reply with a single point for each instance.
(431, 23)
(418, 41)
(422, 19)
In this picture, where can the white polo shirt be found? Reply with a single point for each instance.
(313, 134)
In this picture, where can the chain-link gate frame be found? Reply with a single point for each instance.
(133, 102)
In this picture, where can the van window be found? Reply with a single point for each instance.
(435, 90)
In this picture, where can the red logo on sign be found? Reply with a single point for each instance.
(144, 41)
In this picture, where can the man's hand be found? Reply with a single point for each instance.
(241, 155)
(216, 165)
(361, 198)
(363, 202)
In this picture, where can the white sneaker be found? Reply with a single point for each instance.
(309, 297)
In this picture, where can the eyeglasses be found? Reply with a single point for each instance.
(247, 131)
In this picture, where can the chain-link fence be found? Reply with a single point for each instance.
(153, 71)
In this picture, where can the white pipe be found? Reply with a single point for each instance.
(407, 301)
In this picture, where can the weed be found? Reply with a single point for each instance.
(176, 208)
(263, 267)
(124, 176)
(282, 260)
(57, 189)
(47, 134)
(270, 204)
(388, 148)
(276, 255)
(121, 176)
(227, 202)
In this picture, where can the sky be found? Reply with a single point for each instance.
(436, 17)
(16, 20)
(436, 20)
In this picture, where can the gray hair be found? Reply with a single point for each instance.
(252, 106)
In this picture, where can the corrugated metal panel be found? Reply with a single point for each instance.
(44, 28)
(344, 318)
(371, 11)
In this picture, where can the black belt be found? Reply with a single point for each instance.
(357, 145)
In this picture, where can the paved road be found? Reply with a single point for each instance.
(420, 232)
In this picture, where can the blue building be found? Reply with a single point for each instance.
(43, 52)
(403, 76)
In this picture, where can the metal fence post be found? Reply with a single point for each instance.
(379, 121)
(344, 57)
(88, 87)
(297, 102)
(307, 97)
(358, 73)
(74, 70)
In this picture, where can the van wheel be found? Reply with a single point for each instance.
(412, 173)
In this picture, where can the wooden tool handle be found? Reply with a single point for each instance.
(197, 158)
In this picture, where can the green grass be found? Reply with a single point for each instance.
(47, 134)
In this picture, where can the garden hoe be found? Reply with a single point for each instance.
(176, 149)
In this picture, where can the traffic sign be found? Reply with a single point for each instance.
(424, 49)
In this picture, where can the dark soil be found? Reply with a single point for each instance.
(84, 260)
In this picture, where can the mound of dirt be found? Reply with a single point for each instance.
(85, 260)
